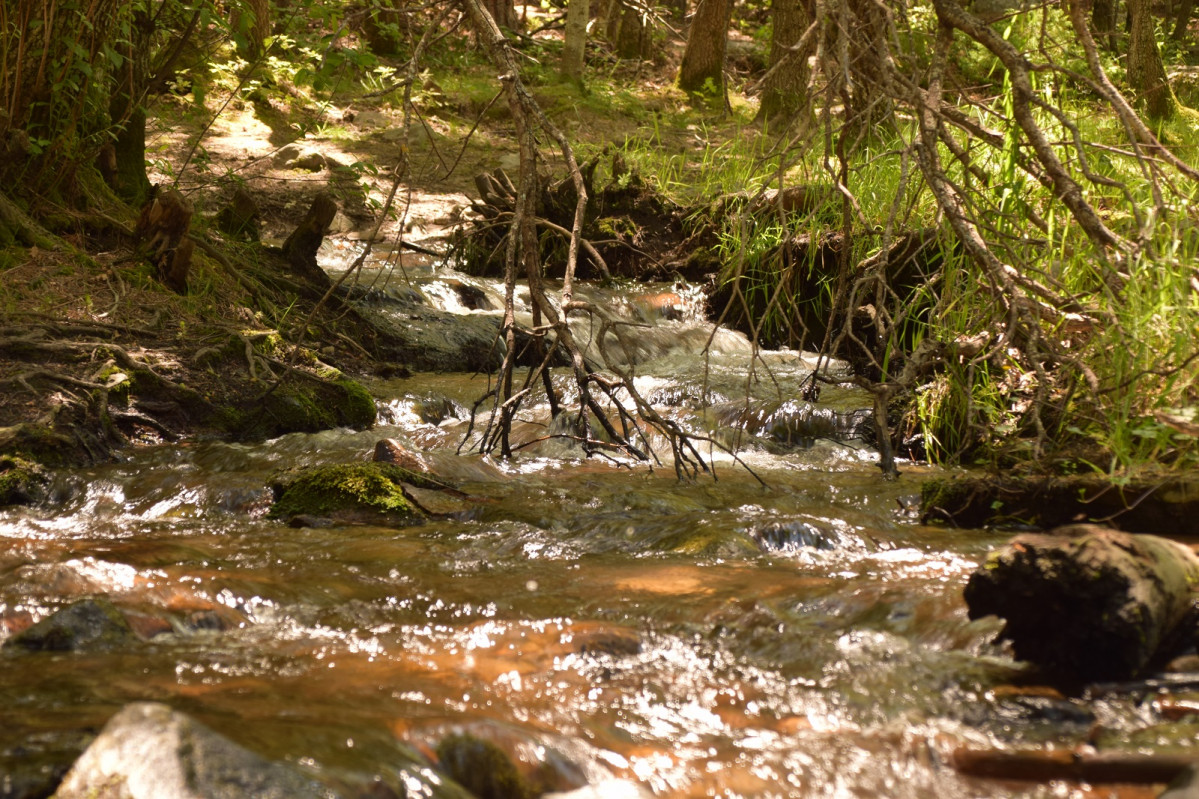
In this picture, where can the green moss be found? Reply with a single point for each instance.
(709, 543)
(482, 768)
(10, 256)
(366, 488)
(41, 444)
(22, 482)
(307, 408)
(357, 408)
(616, 227)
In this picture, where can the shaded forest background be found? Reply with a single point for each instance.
(988, 210)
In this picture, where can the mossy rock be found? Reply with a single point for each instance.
(351, 493)
(482, 768)
(22, 482)
(41, 444)
(709, 543)
(306, 408)
(91, 625)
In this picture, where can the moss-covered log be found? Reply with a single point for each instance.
(1170, 502)
(1088, 603)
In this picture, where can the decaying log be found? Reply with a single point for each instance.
(240, 217)
(1045, 765)
(161, 234)
(1087, 603)
(301, 246)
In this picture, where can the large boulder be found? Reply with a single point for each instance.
(149, 751)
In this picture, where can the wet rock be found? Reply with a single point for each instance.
(149, 751)
(434, 408)
(33, 768)
(355, 493)
(93, 624)
(440, 341)
(790, 536)
(439, 502)
(306, 407)
(1183, 664)
(791, 423)
(147, 625)
(205, 620)
(22, 482)
(482, 768)
(391, 451)
(708, 542)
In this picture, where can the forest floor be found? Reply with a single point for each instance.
(88, 324)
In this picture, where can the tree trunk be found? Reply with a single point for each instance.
(503, 12)
(784, 89)
(253, 25)
(573, 51)
(1146, 74)
(627, 31)
(702, 71)
(1088, 603)
(1182, 19)
(1104, 17)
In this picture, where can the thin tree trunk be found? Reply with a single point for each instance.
(702, 70)
(1104, 16)
(784, 88)
(503, 12)
(573, 52)
(1182, 19)
(1146, 73)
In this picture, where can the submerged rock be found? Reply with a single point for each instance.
(794, 535)
(149, 751)
(93, 624)
(482, 768)
(388, 450)
(791, 423)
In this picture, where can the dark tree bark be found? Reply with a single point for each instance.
(253, 24)
(702, 70)
(1146, 73)
(503, 12)
(627, 30)
(574, 48)
(784, 88)
(1088, 603)
(1105, 16)
(301, 246)
(1182, 19)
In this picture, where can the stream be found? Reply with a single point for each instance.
(603, 622)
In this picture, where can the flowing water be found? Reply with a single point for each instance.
(602, 621)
